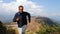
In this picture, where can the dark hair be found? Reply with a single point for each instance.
(20, 6)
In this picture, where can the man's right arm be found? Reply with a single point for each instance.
(15, 19)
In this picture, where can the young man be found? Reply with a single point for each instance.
(21, 19)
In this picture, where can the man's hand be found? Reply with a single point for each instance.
(17, 19)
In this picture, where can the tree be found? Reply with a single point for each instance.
(3, 29)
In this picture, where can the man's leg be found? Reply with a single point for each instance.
(20, 30)
(24, 29)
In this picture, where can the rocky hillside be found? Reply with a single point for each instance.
(42, 25)
(38, 25)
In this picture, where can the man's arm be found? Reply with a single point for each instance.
(29, 17)
(15, 19)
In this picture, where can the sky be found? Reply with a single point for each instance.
(46, 8)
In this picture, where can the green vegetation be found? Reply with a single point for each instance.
(11, 31)
(46, 29)
(3, 29)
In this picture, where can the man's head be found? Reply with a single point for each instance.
(20, 9)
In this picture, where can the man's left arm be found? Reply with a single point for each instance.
(29, 17)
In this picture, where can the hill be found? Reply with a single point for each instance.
(42, 25)
(38, 25)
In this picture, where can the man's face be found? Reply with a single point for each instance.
(20, 9)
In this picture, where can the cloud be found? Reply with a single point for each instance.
(1, 1)
(55, 14)
(9, 9)
(29, 6)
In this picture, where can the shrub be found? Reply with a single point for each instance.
(3, 29)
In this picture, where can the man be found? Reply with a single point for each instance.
(21, 19)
